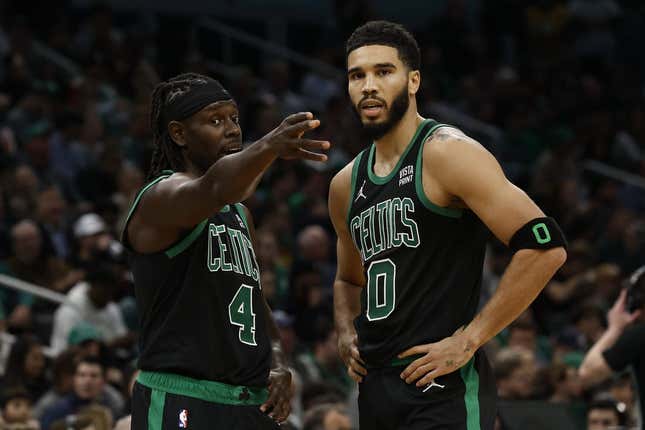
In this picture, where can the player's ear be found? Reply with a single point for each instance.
(414, 81)
(176, 131)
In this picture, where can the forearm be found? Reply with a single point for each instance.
(594, 368)
(347, 305)
(233, 178)
(278, 358)
(525, 277)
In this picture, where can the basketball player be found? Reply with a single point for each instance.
(207, 338)
(412, 212)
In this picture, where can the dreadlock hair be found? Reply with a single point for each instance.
(167, 155)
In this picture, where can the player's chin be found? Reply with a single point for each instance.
(374, 120)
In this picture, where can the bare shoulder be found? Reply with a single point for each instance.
(450, 141)
(339, 192)
(342, 181)
(451, 151)
(161, 187)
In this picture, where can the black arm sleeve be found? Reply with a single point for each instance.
(627, 349)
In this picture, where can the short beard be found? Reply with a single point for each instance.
(400, 104)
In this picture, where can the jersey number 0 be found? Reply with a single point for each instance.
(381, 289)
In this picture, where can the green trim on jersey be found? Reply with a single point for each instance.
(380, 180)
(210, 391)
(357, 162)
(180, 247)
(418, 179)
(165, 174)
(471, 396)
(186, 241)
(242, 213)
(155, 411)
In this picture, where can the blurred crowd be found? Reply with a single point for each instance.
(562, 80)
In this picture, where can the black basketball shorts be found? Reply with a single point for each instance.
(462, 400)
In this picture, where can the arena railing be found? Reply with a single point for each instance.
(33, 289)
(228, 33)
(7, 339)
(56, 58)
(614, 173)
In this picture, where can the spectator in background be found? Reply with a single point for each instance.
(623, 391)
(522, 333)
(68, 154)
(97, 182)
(26, 367)
(268, 254)
(309, 302)
(91, 302)
(604, 415)
(85, 339)
(16, 410)
(30, 263)
(564, 378)
(64, 369)
(313, 246)
(277, 88)
(89, 380)
(322, 363)
(94, 244)
(327, 417)
(622, 345)
(50, 212)
(514, 373)
(22, 192)
(62, 381)
(589, 324)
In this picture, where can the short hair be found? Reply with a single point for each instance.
(102, 274)
(13, 393)
(507, 361)
(91, 360)
(315, 417)
(608, 404)
(388, 34)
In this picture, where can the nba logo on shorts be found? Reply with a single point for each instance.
(183, 419)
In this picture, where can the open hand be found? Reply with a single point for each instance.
(618, 316)
(287, 142)
(440, 358)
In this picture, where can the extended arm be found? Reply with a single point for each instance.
(229, 180)
(594, 368)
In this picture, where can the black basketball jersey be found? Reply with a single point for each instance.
(423, 263)
(200, 305)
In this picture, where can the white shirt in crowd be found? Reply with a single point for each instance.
(108, 321)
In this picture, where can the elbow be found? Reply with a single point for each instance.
(584, 374)
(554, 258)
(558, 256)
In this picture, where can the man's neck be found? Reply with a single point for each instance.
(392, 144)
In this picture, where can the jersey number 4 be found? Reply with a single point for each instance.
(240, 313)
(381, 289)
